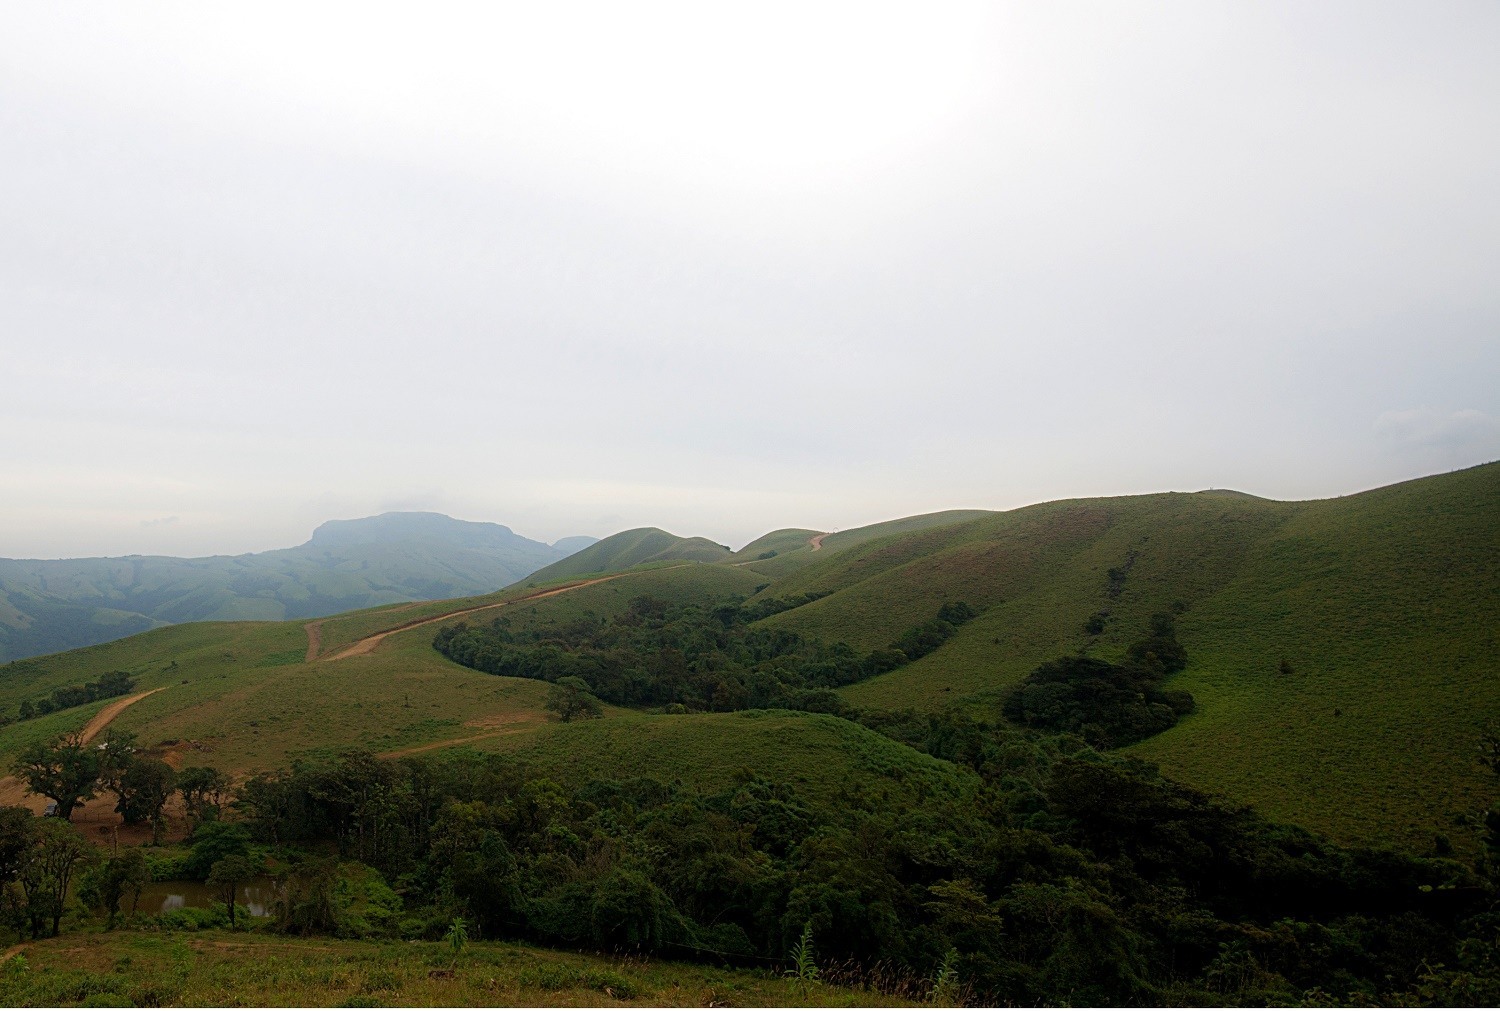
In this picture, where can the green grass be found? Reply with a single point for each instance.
(630, 548)
(826, 759)
(1385, 603)
(790, 561)
(779, 541)
(243, 700)
(217, 968)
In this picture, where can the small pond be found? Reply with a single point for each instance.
(256, 895)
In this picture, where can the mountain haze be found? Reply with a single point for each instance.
(51, 605)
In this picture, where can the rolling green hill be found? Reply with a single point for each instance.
(630, 548)
(48, 606)
(777, 542)
(1384, 606)
(791, 557)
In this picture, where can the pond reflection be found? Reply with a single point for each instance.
(256, 895)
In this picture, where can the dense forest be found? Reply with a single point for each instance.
(1036, 868)
(704, 657)
(1039, 872)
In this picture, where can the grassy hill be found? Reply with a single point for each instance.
(242, 696)
(630, 548)
(48, 606)
(777, 542)
(1384, 605)
(796, 556)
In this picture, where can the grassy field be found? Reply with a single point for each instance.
(217, 968)
(795, 558)
(630, 548)
(1385, 606)
(827, 760)
(240, 696)
(778, 541)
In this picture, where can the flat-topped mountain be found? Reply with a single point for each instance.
(51, 605)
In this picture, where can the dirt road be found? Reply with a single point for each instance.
(99, 811)
(105, 716)
(314, 639)
(456, 741)
(817, 542)
(369, 642)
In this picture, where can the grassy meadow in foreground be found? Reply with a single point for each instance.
(219, 968)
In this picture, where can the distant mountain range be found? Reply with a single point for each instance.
(52, 605)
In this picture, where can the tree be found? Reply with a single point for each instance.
(104, 885)
(116, 757)
(227, 875)
(57, 851)
(15, 841)
(212, 842)
(571, 699)
(66, 771)
(203, 790)
(144, 789)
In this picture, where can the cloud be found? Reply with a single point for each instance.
(161, 521)
(1425, 428)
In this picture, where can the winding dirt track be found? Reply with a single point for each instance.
(14, 793)
(455, 741)
(314, 639)
(369, 642)
(817, 542)
(105, 716)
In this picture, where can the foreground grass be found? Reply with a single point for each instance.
(217, 968)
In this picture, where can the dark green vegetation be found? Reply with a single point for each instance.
(107, 687)
(1023, 869)
(47, 606)
(630, 548)
(703, 657)
(1108, 705)
(1340, 655)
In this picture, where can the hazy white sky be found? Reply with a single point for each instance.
(723, 268)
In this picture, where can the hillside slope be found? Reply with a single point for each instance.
(49, 606)
(630, 548)
(1384, 605)
(790, 557)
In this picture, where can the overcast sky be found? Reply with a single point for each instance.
(724, 268)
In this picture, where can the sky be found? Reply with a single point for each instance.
(725, 268)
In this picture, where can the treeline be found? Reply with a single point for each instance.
(1052, 875)
(702, 657)
(1108, 705)
(107, 687)
(70, 770)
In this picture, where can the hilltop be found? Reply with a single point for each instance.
(1342, 652)
(47, 606)
(629, 548)
(825, 748)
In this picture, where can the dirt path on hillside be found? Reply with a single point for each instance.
(817, 542)
(314, 639)
(105, 716)
(97, 813)
(456, 741)
(369, 642)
